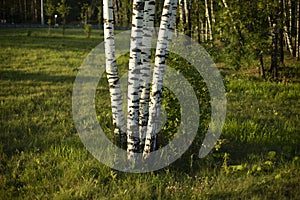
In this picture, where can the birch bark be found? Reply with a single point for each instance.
(112, 72)
(157, 82)
(134, 79)
(297, 42)
(208, 20)
(148, 24)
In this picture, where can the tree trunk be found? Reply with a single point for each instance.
(287, 26)
(274, 56)
(112, 73)
(297, 42)
(133, 139)
(208, 20)
(213, 18)
(281, 31)
(116, 12)
(201, 31)
(261, 60)
(172, 23)
(293, 25)
(288, 40)
(199, 24)
(35, 11)
(157, 82)
(149, 12)
(188, 22)
(206, 30)
(181, 16)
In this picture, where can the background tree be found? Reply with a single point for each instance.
(49, 12)
(63, 9)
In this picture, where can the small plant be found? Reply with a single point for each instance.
(88, 30)
(29, 32)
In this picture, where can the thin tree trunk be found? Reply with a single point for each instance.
(206, 30)
(294, 25)
(261, 60)
(157, 82)
(288, 40)
(172, 23)
(213, 18)
(274, 56)
(149, 13)
(112, 73)
(281, 31)
(25, 10)
(186, 10)
(298, 31)
(133, 139)
(208, 20)
(35, 12)
(116, 12)
(290, 15)
(199, 23)
(181, 15)
(286, 27)
(201, 31)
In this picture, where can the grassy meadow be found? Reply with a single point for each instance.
(42, 156)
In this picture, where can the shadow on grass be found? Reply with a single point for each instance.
(12, 75)
(53, 42)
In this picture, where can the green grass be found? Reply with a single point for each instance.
(42, 157)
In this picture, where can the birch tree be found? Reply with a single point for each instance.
(297, 40)
(157, 82)
(208, 20)
(133, 139)
(148, 24)
(112, 72)
(142, 117)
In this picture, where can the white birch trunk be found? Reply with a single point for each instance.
(206, 31)
(286, 33)
(134, 79)
(290, 15)
(186, 11)
(213, 18)
(172, 23)
(149, 12)
(288, 40)
(112, 72)
(297, 29)
(157, 82)
(208, 20)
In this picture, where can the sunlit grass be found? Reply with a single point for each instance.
(42, 157)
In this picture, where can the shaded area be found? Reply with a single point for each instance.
(10, 75)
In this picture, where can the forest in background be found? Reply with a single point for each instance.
(258, 33)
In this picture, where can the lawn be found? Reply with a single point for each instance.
(42, 156)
